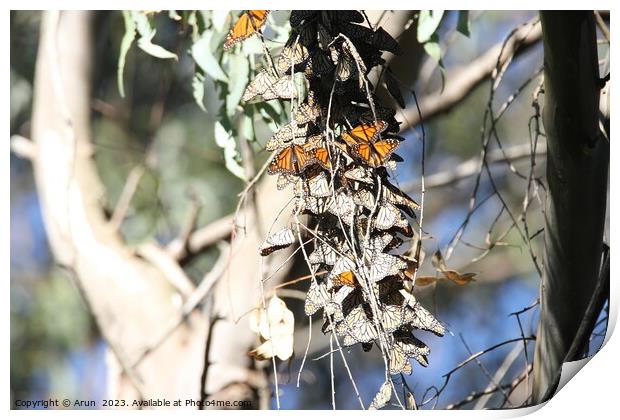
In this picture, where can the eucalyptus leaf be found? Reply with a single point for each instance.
(198, 90)
(224, 140)
(239, 72)
(428, 23)
(130, 35)
(147, 32)
(153, 49)
(463, 23)
(220, 18)
(201, 51)
(247, 128)
(142, 23)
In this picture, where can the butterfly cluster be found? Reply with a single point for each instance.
(335, 154)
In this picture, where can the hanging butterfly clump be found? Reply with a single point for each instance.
(335, 155)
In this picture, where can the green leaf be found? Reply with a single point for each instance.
(146, 36)
(428, 22)
(220, 20)
(130, 35)
(247, 128)
(198, 90)
(201, 51)
(239, 72)
(463, 23)
(158, 51)
(224, 140)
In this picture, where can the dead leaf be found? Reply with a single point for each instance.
(275, 327)
(458, 278)
(426, 280)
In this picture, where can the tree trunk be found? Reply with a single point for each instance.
(133, 299)
(577, 166)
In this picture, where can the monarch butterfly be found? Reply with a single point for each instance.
(343, 206)
(278, 240)
(324, 37)
(248, 23)
(321, 62)
(395, 196)
(307, 112)
(283, 88)
(413, 348)
(364, 133)
(345, 68)
(314, 205)
(316, 298)
(298, 16)
(269, 87)
(287, 133)
(291, 160)
(321, 155)
(361, 174)
(342, 265)
(263, 81)
(384, 41)
(318, 186)
(284, 180)
(357, 328)
(292, 55)
(399, 362)
(377, 153)
(384, 265)
(382, 397)
(364, 198)
(348, 278)
(388, 216)
(422, 319)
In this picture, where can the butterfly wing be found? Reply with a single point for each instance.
(283, 162)
(321, 155)
(364, 133)
(261, 83)
(248, 23)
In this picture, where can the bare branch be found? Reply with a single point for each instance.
(460, 83)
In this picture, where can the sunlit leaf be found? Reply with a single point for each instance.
(428, 23)
(275, 326)
(147, 32)
(154, 50)
(130, 35)
(201, 51)
(198, 90)
(231, 156)
(239, 72)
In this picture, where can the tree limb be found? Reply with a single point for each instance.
(461, 82)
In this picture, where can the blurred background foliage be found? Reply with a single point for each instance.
(180, 126)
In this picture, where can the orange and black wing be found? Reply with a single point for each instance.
(283, 162)
(302, 158)
(248, 23)
(364, 133)
(346, 279)
(321, 155)
(377, 153)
